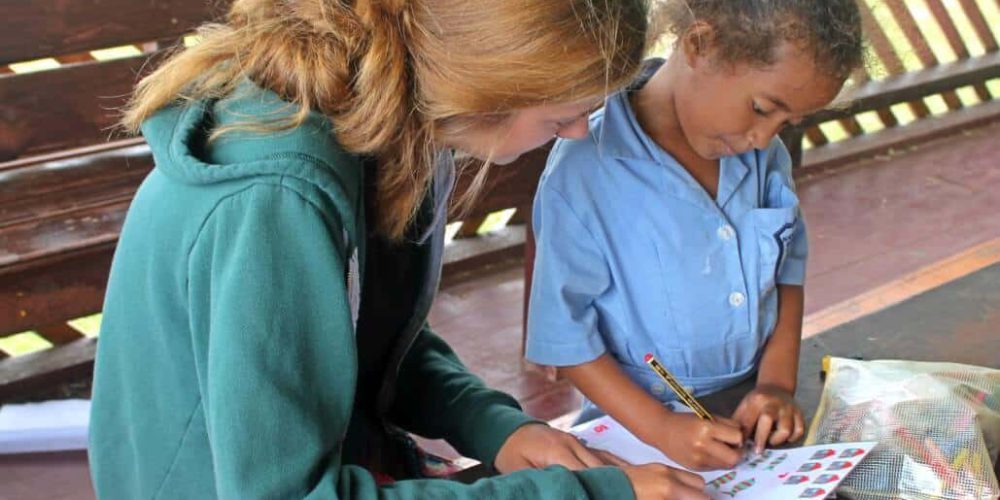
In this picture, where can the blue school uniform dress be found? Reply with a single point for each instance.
(634, 256)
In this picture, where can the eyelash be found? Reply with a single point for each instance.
(585, 114)
(566, 123)
(761, 112)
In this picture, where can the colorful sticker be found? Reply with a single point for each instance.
(721, 480)
(826, 478)
(810, 466)
(813, 493)
(840, 465)
(743, 486)
(777, 461)
(797, 479)
(852, 452)
(821, 454)
(759, 459)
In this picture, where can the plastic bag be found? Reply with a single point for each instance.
(937, 424)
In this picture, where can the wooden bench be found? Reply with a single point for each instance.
(66, 176)
(911, 88)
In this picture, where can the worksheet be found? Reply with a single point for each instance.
(792, 473)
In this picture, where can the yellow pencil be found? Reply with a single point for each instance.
(681, 392)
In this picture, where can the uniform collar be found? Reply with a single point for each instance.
(620, 136)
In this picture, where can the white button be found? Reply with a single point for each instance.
(726, 232)
(736, 299)
(657, 388)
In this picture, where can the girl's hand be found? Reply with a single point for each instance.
(536, 446)
(771, 416)
(701, 444)
(659, 482)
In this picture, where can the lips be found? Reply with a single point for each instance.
(725, 149)
(730, 150)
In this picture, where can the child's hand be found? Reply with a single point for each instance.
(702, 444)
(770, 412)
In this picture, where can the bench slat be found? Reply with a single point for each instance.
(55, 289)
(507, 186)
(45, 28)
(32, 240)
(887, 54)
(920, 131)
(55, 187)
(59, 333)
(947, 25)
(908, 23)
(21, 375)
(912, 86)
(64, 108)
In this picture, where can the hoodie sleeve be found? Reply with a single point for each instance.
(276, 360)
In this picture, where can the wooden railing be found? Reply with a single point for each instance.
(64, 188)
(907, 93)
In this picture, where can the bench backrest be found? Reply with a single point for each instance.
(64, 187)
(930, 72)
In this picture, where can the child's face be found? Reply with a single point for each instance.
(724, 110)
(527, 129)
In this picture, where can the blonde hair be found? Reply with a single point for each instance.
(399, 77)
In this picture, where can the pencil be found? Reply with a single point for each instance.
(681, 392)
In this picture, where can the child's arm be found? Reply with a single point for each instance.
(692, 442)
(780, 364)
(771, 406)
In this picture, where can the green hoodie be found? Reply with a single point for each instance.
(235, 360)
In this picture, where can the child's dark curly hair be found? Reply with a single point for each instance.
(749, 31)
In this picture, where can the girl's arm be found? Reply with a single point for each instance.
(274, 346)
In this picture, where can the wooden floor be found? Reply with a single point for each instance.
(878, 228)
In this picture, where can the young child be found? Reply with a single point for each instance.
(674, 227)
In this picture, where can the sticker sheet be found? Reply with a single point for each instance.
(792, 473)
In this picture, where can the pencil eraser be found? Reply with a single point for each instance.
(649, 356)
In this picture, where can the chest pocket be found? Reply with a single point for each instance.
(775, 227)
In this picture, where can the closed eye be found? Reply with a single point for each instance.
(757, 109)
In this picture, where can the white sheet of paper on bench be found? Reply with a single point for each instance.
(793, 473)
(47, 426)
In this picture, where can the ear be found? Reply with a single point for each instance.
(697, 43)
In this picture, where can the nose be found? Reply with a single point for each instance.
(575, 130)
(760, 136)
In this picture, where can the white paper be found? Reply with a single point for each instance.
(47, 426)
(806, 472)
